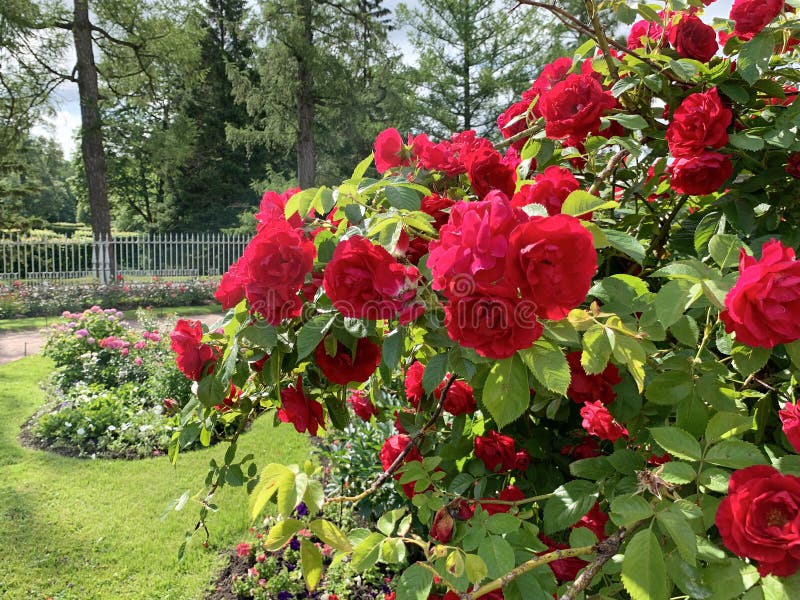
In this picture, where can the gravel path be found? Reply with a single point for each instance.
(20, 344)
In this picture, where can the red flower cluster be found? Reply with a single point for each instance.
(499, 452)
(573, 107)
(763, 308)
(760, 519)
(362, 405)
(300, 411)
(751, 16)
(550, 189)
(193, 357)
(588, 388)
(343, 367)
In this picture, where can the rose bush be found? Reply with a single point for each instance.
(581, 342)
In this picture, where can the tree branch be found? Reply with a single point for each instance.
(610, 168)
(116, 40)
(605, 550)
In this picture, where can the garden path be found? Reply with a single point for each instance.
(19, 344)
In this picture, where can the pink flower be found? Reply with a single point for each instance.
(598, 421)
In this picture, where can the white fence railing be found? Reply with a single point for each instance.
(161, 255)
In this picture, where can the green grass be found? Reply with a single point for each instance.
(24, 324)
(83, 529)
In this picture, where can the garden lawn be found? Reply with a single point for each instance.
(80, 529)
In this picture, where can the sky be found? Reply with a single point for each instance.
(66, 119)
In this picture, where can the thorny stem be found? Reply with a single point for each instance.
(610, 168)
(532, 130)
(605, 550)
(663, 233)
(602, 40)
(400, 457)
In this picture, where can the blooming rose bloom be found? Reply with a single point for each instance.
(587, 388)
(273, 268)
(297, 409)
(231, 287)
(364, 281)
(595, 521)
(362, 405)
(551, 74)
(763, 307)
(413, 383)
(343, 367)
(692, 38)
(552, 260)
(565, 569)
(700, 175)
(573, 107)
(492, 321)
(510, 494)
(642, 29)
(472, 246)
(192, 356)
(699, 122)
(497, 451)
(793, 165)
(759, 519)
(388, 150)
(516, 113)
(487, 171)
(790, 419)
(598, 421)
(460, 399)
(588, 447)
(550, 190)
(751, 16)
(272, 208)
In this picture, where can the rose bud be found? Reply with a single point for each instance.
(442, 527)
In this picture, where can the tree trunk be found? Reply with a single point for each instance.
(306, 150)
(94, 160)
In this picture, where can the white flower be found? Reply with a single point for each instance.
(158, 409)
(111, 428)
(67, 424)
(81, 431)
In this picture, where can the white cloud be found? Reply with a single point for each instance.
(61, 126)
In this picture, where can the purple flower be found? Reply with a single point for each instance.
(294, 544)
(301, 509)
(82, 332)
(284, 595)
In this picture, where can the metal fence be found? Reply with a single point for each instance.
(162, 255)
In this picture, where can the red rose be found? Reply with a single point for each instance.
(460, 400)
(362, 405)
(598, 421)
(595, 521)
(700, 175)
(388, 150)
(487, 171)
(509, 494)
(193, 356)
(393, 447)
(586, 388)
(472, 246)
(497, 451)
(550, 190)
(364, 281)
(793, 165)
(763, 307)
(551, 74)
(759, 519)
(588, 447)
(273, 207)
(442, 526)
(437, 207)
(552, 260)
(751, 16)
(522, 460)
(493, 322)
(565, 569)
(231, 287)
(699, 122)
(444, 156)
(790, 419)
(573, 107)
(692, 38)
(273, 268)
(644, 29)
(413, 383)
(513, 121)
(303, 413)
(342, 368)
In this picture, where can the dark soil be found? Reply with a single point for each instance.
(236, 567)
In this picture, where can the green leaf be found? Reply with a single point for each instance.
(793, 351)
(311, 334)
(644, 573)
(281, 532)
(683, 69)
(669, 388)
(435, 372)
(361, 168)
(330, 534)
(678, 528)
(754, 57)
(724, 249)
(475, 568)
(676, 472)
(272, 477)
(594, 468)
(629, 121)
(415, 583)
(393, 550)
(311, 564)
(506, 394)
(402, 197)
(627, 510)
(501, 523)
(672, 300)
(596, 350)
(580, 202)
(498, 555)
(388, 520)
(626, 244)
(260, 334)
(735, 454)
(677, 442)
(727, 424)
(746, 141)
(549, 366)
(393, 348)
(568, 504)
(781, 588)
(366, 552)
(748, 360)
(706, 228)
(300, 203)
